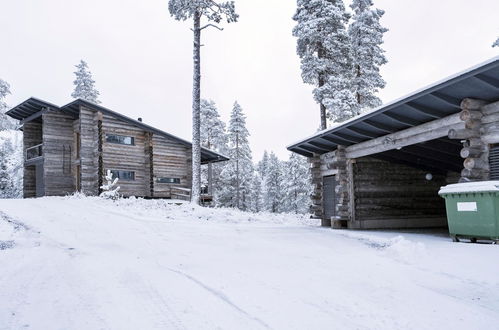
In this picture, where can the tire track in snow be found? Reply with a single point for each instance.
(219, 295)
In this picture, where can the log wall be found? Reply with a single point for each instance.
(390, 195)
(57, 150)
(32, 136)
(481, 129)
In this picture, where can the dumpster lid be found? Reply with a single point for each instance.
(470, 187)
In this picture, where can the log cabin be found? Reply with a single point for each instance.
(70, 149)
(383, 168)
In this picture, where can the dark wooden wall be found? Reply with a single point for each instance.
(57, 149)
(172, 160)
(126, 157)
(89, 152)
(390, 195)
(32, 136)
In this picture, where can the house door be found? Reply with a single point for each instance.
(328, 199)
(40, 184)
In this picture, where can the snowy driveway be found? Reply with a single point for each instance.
(69, 263)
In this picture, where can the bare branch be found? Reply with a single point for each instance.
(212, 25)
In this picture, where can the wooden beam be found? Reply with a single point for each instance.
(487, 80)
(378, 126)
(313, 149)
(447, 99)
(426, 111)
(402, 119)
(349, 138)
(425, 132)
(418, 151)
(34, 116)
(336, 140)
(323, 146)
(362, 132)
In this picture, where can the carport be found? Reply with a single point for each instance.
(383, 168)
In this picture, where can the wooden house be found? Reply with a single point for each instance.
(383, 169)
(71, 148)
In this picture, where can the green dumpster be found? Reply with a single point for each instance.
(472, 210)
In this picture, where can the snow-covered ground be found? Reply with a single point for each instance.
(88, 263)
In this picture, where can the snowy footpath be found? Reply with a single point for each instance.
(87, 263)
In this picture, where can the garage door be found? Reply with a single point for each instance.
(329, 196)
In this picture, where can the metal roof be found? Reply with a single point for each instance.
(433, 102)
(33, 108)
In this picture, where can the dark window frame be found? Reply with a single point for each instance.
(168, 180)
(120, 174)
(115, 138)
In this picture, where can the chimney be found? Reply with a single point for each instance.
(139, 119)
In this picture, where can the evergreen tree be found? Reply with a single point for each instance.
(274, 182)
(263, 165)
(11, 164)
(256, 195)
(238, 172)
(366, 37)
(496, 43)
(84, 84)
(324, 48)
(297, 184)
(214, 12)
(6, 123)
(213, 137)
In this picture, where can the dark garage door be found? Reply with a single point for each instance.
(329, 196)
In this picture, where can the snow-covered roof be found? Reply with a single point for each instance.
(34, 107)
(438, 100)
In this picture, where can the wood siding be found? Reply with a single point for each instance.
(57, 151)
(390, 195)
(89, 151)
(126, 157)
(32, 136)
(173, 160)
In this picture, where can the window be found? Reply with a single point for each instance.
(120, 139)
(168, 180)
(123, 175)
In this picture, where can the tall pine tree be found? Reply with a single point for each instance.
(274, 182)
(5, 122)
(256, 195)
(297, 183)
(238, 172)
(213, 137)
(366, 37)
(84, 84)
(324, 48)
(213, 11)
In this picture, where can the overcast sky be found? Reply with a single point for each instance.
(141, 58)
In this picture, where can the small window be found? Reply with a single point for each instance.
(120, 139)
(168, 180)
(123, 175)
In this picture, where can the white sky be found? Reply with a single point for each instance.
(141, 58)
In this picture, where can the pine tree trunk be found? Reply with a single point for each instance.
(322, 82)
(237, 171)
(196, 113)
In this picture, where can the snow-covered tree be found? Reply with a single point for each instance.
(109, 189)
(213, 137)
(5, 122)
(366, 37)
(263, 165)
(84, 84)
(274, 183)
(11, 164)
(496, 43)
(297, 183)
(324, 48)
(256, 195)
(238, 172)
(215, 12)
